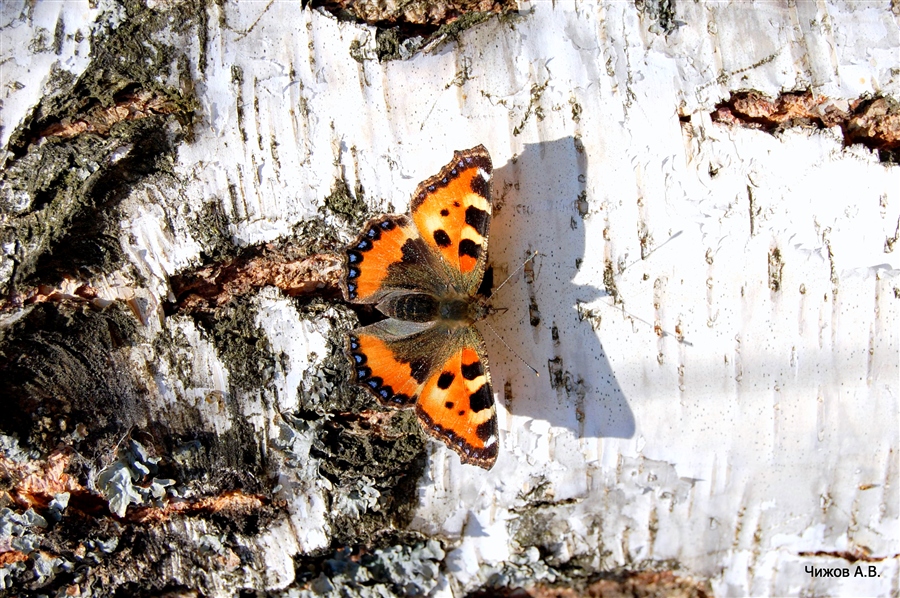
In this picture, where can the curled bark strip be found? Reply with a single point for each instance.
(229, 503)
(35, 483)
(643, 583)
(860, 554)
(432, 12)
(873, 122)
(217, 284)
(100, 119)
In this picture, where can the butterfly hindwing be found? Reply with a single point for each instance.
(443, 372)
(452, 211)
(387, 360)
(456, 404)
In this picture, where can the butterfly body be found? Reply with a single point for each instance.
(423, 271)
(451, 309)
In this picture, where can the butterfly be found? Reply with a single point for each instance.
(423, 270)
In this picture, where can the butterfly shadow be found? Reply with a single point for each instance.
(540, 204)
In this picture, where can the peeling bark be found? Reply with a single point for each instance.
(874, 123)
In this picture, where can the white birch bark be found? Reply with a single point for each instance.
(718, 340)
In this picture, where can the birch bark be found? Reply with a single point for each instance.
(714, 194)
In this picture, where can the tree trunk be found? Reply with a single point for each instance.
(713, 194)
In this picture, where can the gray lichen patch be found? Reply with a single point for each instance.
(376, 468)
(314, 236)
(410, 568)
(372, 456)
(174, 348)
(242, 345)
(390, 46)
(660, 13)
(209, 227)
(121, 482)
(546, 565)
(325, 387)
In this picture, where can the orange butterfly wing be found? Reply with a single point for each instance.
(456, 405)
(385, 361)
(368, 260)
(452, 211)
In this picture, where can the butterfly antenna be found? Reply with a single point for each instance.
(654, 250)
(528, 365)
(516, 271)
(661, 331)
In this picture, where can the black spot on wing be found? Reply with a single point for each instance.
(470, 248)
(445, 380)
(477, 219)
(442, 238)
(481, 398)
(485, 431)
(481, 186)
(472, 370)
(445, 212)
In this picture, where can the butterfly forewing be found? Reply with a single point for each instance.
(452, 211)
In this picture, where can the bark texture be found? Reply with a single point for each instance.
(714, 196)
